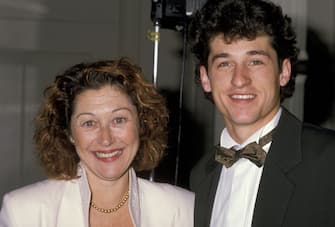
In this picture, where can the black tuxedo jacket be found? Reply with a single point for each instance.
(297, 187)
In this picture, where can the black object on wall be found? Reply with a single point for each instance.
(174, 14)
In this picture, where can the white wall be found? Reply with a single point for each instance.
(40, 38)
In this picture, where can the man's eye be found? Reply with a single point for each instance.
(256, 62)
(224, 64)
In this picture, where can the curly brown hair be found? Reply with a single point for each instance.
(56, 152)
(238, 19)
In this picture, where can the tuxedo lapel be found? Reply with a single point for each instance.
(205, 191)
(272, 198)
(275, 188)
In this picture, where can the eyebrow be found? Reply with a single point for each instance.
(250, 53)
(221, 55)
(115, 110)
(258, 52)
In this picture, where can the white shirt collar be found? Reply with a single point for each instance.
(85, 193)
(227, 141)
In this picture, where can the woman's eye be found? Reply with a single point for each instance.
(119, 120)
(88, 124)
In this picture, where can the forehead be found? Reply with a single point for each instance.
(106, 95)
(243, 48)
(261, 41)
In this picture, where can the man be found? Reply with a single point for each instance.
(246, 53)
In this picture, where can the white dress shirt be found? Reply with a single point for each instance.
(238, 185)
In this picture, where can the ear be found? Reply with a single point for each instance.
(285, 74)
(71, 139)
(205, 82)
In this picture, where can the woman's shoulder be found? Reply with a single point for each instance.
(165, 190)
(39, 191)
(43, 204)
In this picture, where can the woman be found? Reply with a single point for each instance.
(100, 123)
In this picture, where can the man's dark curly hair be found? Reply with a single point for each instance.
(55, 150)
(239, 19)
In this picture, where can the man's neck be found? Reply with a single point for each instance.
(241, 133)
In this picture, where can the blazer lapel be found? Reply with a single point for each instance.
(70, 212)
(275, 188)
(205, 193)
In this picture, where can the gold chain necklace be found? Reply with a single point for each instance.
(114, 209)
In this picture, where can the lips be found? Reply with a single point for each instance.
(108, 154)
(243, 96)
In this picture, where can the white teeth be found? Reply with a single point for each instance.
(107, 155)
(243, 96)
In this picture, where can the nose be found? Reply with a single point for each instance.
(106, 136)
(240, 76)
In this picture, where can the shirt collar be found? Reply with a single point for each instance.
(134, 200)
(227, 141)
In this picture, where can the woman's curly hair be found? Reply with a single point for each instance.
(56, 152)
(238, 19)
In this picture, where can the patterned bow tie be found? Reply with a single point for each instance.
(253, 151)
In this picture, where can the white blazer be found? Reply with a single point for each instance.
(60, 203)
